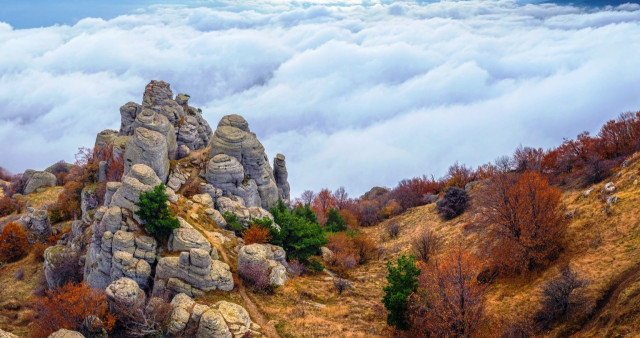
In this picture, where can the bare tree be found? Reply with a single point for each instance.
(341, 197)
(426, 244)
(307, 197)
(560, 296)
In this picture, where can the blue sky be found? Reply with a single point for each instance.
(354, 95)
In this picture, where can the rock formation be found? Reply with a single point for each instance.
(223, 319)
(233, 138)
(263, 258)
(193, 273)
(125, 293)
(36, 179)
(281, 175)
(36, 222)
(105, 137)
(150, 148)
(151, 120)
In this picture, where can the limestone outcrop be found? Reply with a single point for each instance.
(105, 137)
(282, 177)
(139, 179)
(38, 179)
(125, 293)
(128, 114)
(226, 173)
(55, 257)
(151, 120)
(150, 148)
(263, 258)
(193, 272)
(222, 319)
(233, 138)
(236, 207)
(36, 222)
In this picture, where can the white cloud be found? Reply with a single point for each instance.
(354, 93)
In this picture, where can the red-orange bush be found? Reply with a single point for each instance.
(256, 234)
(349, 218)
(8, 206)
(450, 300)
(392, 208)
(525, 221)
(13, 243)
(321, 205)
(66, 307)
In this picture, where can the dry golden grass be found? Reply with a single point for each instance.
(16, 313)
(41, 197)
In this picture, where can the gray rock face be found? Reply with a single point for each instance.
(140, 178)
(233, 138)
(226, 173)
(281, 175)
(191, 129)
(226, 204)
(124, 293)
(88, 199)
(193, 273)
(177, 178)
(105, 137)
(151, 120)
(270, 258)
(184, 239)
(128, 114)
(37, 222)
(149, 148)
(54, 257)
(37, 179)
(222, 319)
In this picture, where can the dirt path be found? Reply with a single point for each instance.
(267, 328)
(609, 300)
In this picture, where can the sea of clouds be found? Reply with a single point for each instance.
(355, 94)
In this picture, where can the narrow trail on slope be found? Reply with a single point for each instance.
(267, 328)
(609, 300)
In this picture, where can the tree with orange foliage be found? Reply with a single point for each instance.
(349, 218)
(256, 234)
(66, 307)
(450, 300)
(321, 205)
(525, 221)
(13, 243)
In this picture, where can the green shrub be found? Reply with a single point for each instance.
(155, 213)
(335, 222)
(316, 265)
(232, 222)
(402, 282)
(306, 213)
(299, 237)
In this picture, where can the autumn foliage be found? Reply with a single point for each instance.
(256, 234)
(450, 300)
(13, 243)
(8, 206)
(525, 221)
(66, 307)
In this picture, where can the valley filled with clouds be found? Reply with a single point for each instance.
(355, 94)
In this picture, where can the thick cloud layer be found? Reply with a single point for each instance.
(355, 94)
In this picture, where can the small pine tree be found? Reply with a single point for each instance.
(335, 222)
(306, 213)
(297, 236)
(13, 242)
(402, 282)
(155, 213)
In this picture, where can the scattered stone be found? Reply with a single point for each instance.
(612, 200)
(124, 294)
(36, 222)
(64, 333)
(609, 188)
(588, 191)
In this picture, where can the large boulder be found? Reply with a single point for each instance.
(38, 179)
(124, 294)
(233, 138)
(64, 333)
(140, 178)
(263, 258)
(281, 175)
(148, 147)
(36, 222)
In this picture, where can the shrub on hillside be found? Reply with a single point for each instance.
(335, 222)
(66, 271)
(233, 222)
(403, 281)
(393, 229)
(8, 206)
(13, 243)
(454, 203)
(425, 245)
(68, 306)
(256, 274)
(148, 319)
(154, 212)
(256, 234)
(525, 219)
(306, 213)
(560, 296)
